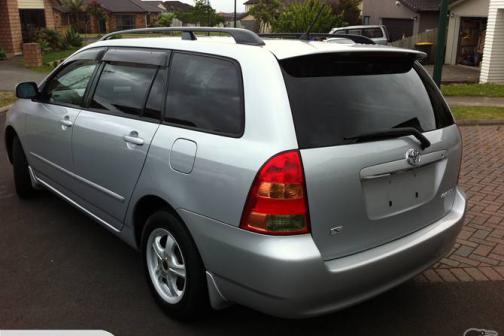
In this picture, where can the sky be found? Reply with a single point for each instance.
(223, 5)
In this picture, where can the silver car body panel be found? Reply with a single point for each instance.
(206, 178)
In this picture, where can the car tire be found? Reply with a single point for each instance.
(168, 251)
(22, 180)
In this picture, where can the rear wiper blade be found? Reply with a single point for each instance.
(393, 133)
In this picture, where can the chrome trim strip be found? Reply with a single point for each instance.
(75, 204)
(77, 177)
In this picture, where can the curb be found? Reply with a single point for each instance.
(5, 108)
(482, 122)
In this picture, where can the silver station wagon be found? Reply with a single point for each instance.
(291, 176)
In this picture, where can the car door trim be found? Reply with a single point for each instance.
(80, 178)
(72, 202)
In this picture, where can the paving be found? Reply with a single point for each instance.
(475, 101)
(479, 252)
(12, 72)
(457, 73)
(61, 270)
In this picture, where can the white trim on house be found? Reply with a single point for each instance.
(458, 10)
(492, 68)
(31, 4)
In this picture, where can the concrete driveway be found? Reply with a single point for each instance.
(12, 72)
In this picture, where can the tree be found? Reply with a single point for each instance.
(266, 12)
(165, 19)
(75, 7)
(348, 10)
(298, 16)
(202, 13)
(95, 10)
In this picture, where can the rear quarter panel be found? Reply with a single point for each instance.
(224, 167)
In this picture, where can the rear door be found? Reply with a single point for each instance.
(111, 137)
(364, 191)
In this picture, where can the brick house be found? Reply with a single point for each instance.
(124, 14)
(23, 17)
(19, 16)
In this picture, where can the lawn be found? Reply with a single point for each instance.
(52, 56)
(477, 112)
(480, 90)
(6, 98)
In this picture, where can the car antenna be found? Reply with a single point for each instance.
(306, 35)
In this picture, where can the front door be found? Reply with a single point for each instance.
(111, 139)
(52, 120)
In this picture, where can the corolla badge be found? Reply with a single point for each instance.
(413, 156)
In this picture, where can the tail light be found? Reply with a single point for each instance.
(277, 202)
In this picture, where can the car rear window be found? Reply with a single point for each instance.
(336, 97)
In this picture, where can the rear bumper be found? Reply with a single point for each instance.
(287, 277)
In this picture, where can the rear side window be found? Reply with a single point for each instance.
(122, 88)
(155, 102)
(337, 97)
(372, 32)
(205, 93)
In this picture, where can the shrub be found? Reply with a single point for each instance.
(2, 54)
(72, 39)
(297, 17)
(49, 39)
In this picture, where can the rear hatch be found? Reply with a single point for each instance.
(367, 186)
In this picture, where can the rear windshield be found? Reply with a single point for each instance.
(337, 97)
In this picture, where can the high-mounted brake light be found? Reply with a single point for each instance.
(277, 202)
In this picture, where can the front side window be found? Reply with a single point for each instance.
(122, 88)
(69, 84)
(205, 93)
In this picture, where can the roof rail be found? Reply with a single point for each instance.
(306, 37)
(241, 36)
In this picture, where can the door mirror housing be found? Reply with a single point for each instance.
(27, 90)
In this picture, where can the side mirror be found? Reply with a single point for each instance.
(27, 90)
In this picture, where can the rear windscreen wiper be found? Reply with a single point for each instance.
(393, 133)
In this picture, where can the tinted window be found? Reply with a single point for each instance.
(372, 32)
(69, 84)
(205, 93)
(334, 98)
(354, 31)
(155, 102)
(123, 88)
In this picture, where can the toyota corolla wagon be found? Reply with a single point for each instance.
(289, 176)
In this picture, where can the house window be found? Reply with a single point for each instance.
(365, 20)
(125, 22)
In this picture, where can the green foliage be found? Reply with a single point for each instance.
(49, 39)
(165, 19)
(72, 39)
(76, 7)
(3, 55)
(201, 14)
(298, 16)
(266, 12)
(95, 9)
(478, 90)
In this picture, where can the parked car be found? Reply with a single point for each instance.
(292, 177)
(377, 33)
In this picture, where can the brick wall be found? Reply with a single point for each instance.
(10, 27)
(49, 15)
(140, 21)
(32, 55)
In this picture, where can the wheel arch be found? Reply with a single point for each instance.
(144, 208)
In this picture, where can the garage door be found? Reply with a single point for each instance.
(398, 28)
